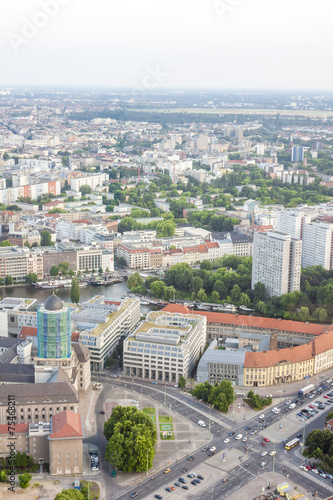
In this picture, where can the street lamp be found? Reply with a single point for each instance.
(148, 449)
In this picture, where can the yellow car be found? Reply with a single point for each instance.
(167, 471)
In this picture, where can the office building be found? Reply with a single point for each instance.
(54, 329)
(293, 222)
(276, 262)
(165, 346)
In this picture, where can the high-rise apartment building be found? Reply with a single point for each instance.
(277, 262)
(297, 154)
(292, 222)
(318, 245)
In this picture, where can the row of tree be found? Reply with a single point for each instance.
(257, 401)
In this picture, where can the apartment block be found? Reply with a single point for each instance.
(17, 263)
(165, 346)
(318, 245)
(276, 262)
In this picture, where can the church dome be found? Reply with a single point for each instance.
(53, 303)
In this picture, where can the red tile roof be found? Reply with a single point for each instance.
(278, 356)
(66, 425)
(212, 244)
(27, 331)
(18, 429)
(253, 321)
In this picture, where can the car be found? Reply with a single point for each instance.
(326, 397)
(191, 474)
(288, 402)
(197, 481)
(168, 489)
(135, 494)
(292, 406)
(266, 439)
(270, 419)
(227, 440)
(177, 484)
(254, 432)
(272, 453)
(176, 386)
(247, 428)
(262, 464)
(158, 497)
(155, 383)
(261, 417)
(194, 482)
(213, 448)
(172, 488)
(200, 477)
(285, 410)
(263, 453)
(231, 433)
(205, 448)
(263, 443)
(315, 471)
(274, 409)
(277, 411)
(302, 467)
(299, 436)
(201, 423)
(190, 458)
(167, 470)
(225, 480)
(238, 437)
(244, 439)
(185, 487)
(311, 396)
(182, 480)
(102, 412)
(184, 470)
(211, 453)
(114, 474)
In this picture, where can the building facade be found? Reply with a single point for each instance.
(276, 262)
(54, 329)
(165, 347)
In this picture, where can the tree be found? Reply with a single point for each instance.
(244, 300)
(259, 292)
(122, 262)
(54, 271)
(64, 268)
(100, 270)
(202, 296)
(180, 276)
(134, 281)
(131, 437)
(24, 479)
(205, 264)
(322, 315)
(3, 476)
(197, 283)
(45, 239)
(181, 382)
(157, 289)
(9, 280)
(31, 278)
(304, 313)
(85, 189)
(70, 494)
(5, 243)
(215, 296)
(75, 291)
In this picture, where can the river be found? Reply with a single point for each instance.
(86, 293)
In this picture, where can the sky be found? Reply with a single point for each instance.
(174, 44)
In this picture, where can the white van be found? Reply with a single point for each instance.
(201, 423)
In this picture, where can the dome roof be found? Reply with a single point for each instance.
(53, 303)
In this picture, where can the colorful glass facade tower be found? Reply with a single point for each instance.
(54, 329)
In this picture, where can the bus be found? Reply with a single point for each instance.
(291, 444)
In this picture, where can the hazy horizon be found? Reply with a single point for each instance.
(202, 45)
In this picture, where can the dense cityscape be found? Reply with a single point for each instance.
(166, 250)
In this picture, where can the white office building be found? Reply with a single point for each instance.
(292, 222)
(276, 262)
(165, 346)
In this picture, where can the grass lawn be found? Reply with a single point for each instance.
(167, 437)
(94, 493)
(149, 410)
(166, 427)
(164, 418)
(153, 418)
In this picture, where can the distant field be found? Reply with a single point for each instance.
(245, 111)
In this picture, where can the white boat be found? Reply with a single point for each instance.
(144, 302)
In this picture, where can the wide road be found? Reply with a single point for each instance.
(286, 463)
